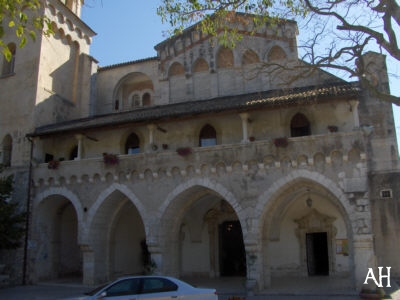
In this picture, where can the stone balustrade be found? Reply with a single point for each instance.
(300, 152)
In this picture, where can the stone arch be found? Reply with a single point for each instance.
(250, 57)
(276, 53)
(177, 201)
(200, 65)
(266, 199)
(300, 125)
(64, 192)
(176, 69)
(58, 222)
(225, 58)
(130, 85)
(288, 194)
(115, 249)
(208, 136)
(103, 195)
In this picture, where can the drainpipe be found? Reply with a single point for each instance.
(28, 212)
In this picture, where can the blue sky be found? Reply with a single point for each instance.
(129, 29)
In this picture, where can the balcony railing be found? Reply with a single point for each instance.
(261, 154)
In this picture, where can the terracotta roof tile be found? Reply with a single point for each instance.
(221, 104)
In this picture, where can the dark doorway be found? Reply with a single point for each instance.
(317, 254)
(232, 255)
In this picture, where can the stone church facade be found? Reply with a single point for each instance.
(196, 159)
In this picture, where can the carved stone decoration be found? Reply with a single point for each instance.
(315, 222)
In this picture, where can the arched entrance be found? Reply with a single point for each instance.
(116, 238)
(207, 233)
(306, 234)
(58, 253)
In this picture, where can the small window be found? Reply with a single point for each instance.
(208, 136)
(299, 126)
(158, 285)
(146, 99)
(386, 194)
(8, 66)
(132, 145)
(135, 102)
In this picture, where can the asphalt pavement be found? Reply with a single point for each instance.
(61, 291)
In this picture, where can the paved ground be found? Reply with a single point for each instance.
(321, 289)
(61, 291)
(58, 292)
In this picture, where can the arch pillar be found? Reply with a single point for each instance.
(156, 257)
(254, 267)
(88, 265)
(364, 258)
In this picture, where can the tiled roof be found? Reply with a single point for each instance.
(128, 63)
(245, 102)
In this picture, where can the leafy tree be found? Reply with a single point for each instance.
(11, 221)
(340, 32)
(24, 17)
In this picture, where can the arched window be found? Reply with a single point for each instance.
(132, 145)
(250, 57)
(176, 69)
(299, 126)
(146, 99)
(8, 66)
(276, 53)
(200, 65)
(7, 150)
(225, 58)
(135, 101)
(208, 136)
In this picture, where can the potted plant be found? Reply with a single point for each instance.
(110, 159)
(332, 128)
(53, 164)
(281, 142)
(184, 151)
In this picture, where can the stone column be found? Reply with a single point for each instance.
(156, 257)
(151, 128)
(354, 109)
(245, 117)
(212, 233)
(88, 268)
(254, 262)
(79, 137)
(364, 258)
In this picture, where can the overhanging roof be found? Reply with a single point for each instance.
(245, 102)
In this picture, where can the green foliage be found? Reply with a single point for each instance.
(25, 19)
(11, 221)
(221, 18)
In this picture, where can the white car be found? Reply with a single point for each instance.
(149, 287)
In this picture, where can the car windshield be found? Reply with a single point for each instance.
(94, 291)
